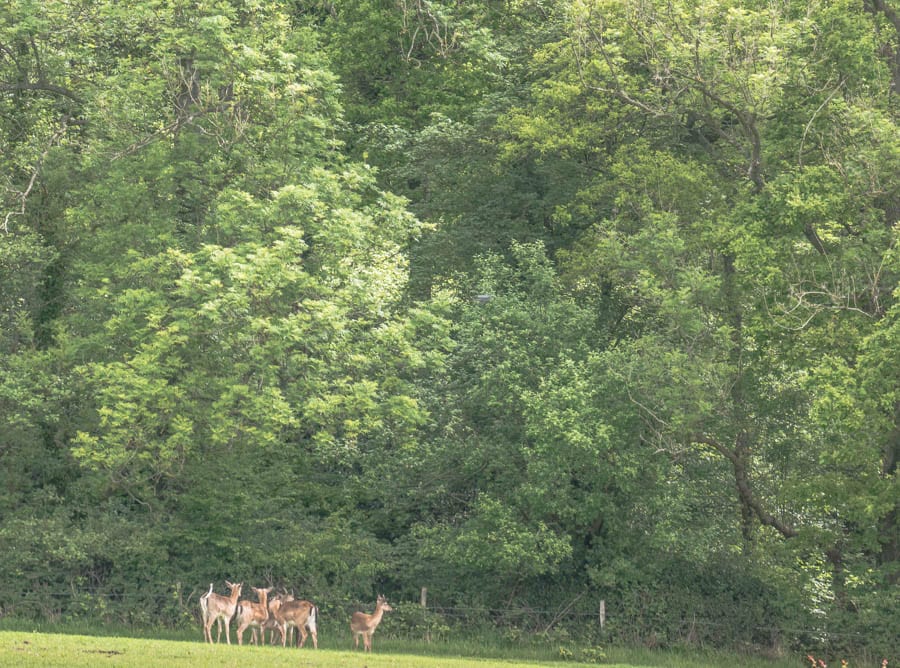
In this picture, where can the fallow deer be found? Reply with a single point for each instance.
(217, 608)
(253, 615)
(271, 624)
(301, 615)
(364, 625)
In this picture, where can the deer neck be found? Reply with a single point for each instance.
(377, 615)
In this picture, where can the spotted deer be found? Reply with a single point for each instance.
(217, 608)
(301, 615)
(253, 615)
(364, 625)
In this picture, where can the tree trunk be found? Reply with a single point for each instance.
(889, 526)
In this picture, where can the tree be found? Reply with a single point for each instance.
(754, 243)
(230, 316)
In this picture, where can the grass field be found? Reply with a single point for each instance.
(25, 648)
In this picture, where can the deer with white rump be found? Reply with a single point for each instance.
(253, 615)
(301, 615)
(364, 625)
(271, 624)
(217, 608)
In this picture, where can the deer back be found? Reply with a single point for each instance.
(252, 610)
(216, 604)
(361, 622)
(295, 612)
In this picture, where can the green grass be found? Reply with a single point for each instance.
(29, 648)
(37, 649)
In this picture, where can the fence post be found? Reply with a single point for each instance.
(423, 599)
(602, 613)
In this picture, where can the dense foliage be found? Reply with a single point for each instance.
(535, 303)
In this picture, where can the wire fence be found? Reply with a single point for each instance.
(435, 619)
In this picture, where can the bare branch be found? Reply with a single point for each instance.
(155, 136)
(813, 118)
(40, 86)
(23, 195)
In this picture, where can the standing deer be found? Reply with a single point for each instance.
(364, 625)
(217, 608)
(301, 615)
(271, 624)
(253, 615)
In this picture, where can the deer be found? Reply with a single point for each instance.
(364, 625)
(253, 615)
(218, 608)
(271, 624)
(301, 615)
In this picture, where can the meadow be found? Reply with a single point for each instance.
(36, 648)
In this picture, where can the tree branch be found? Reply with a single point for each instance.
(23, 196)
(891, 14)
(41, 86)
(745, 490)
